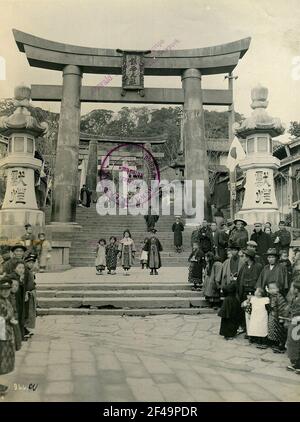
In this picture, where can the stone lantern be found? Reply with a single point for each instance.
(259, 203)
(20, 206)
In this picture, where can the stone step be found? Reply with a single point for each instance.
(127, 312)
(86, 262)
(83, 253)
(117, 293)
(113, 285)
(122, 302)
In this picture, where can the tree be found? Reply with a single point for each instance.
(294, 129)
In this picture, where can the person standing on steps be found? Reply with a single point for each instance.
(112, 255)
(197, 263)
(100, 262)
(177, 229)
(85, 196)
(127, 251)
(151, 219)
(144, 254)
(153, 247)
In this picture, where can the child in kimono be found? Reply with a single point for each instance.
(100, 261)
(293, 340)
(144, 254)
(246, 306)
(276, 331)
(230, 312)
(258, 324)
(153, 247)
(126, 251)
(112, 255)
(7, 321)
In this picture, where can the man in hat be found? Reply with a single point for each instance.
(18, 252)
(230, 227)
(153, 247)
(248, 275)
(231, 266)
(239, 235)
(282, 238)
(273, 272)
(252, 245)
(263, 240)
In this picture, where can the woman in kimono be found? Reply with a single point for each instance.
(230, 312)
(212, 279)
(100, 261)
(112, 255)
(197, 263)
(127, 251)
(7, 321)
(177, 229)
(153, 247)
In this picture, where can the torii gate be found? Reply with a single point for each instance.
(74, 61)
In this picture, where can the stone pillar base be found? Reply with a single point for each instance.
(61, 236)
(12, 222)
(260, 215)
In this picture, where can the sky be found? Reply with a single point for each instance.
(273, 25)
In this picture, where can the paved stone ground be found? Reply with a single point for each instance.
(157, 358)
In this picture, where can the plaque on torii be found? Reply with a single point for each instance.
(133, 71)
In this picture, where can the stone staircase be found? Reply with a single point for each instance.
(94, 227)
(119, 295)
(80, 291)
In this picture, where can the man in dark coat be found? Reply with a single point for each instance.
(263, 241)
(205, 238)
(85, 196)
(177, 229)
(151, 219)
(240, 235)
(220, 241)
(248, 275)
(282, 238)
(153, 247)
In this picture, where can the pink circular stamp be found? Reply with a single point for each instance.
(135, 187)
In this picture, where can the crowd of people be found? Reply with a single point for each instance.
(251, 281)
(18, 265)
